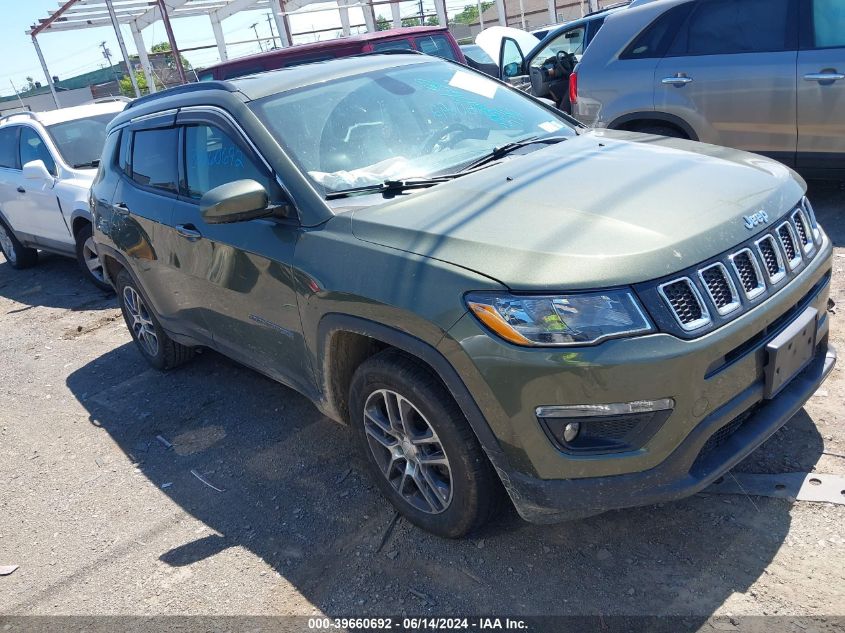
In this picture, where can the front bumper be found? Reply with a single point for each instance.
(688, 469)
(717, 381)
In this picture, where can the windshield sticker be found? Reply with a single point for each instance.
(472, 83)
(550, 126)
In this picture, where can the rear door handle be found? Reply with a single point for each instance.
(678, 80)
(188, 231)
(21, 189)
(824, 76)
(120, 208)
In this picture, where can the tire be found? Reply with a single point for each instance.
(89, 261)
(18, 255)
(662, 130)
(155, 346)
(459, 490)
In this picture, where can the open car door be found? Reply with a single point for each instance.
(509, 47)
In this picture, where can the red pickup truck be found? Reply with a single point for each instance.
(432, 40)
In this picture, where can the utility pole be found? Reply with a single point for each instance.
(107, 55)
(254, 27)
(422, 19)
(272, 32)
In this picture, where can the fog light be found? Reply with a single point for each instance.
(571, 430)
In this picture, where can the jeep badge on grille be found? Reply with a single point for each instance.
(761, 217)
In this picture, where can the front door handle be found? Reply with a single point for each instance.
(188, 231)
(678, 80)
(826, 75)
(21, 189)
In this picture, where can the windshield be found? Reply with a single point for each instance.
(406, 122)
(81, 141)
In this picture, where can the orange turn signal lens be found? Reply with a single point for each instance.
(488, 316)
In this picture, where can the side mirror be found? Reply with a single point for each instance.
(511, 70)
(236, 201)
(37, 170)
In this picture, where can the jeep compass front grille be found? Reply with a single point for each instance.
(721, 289)
(686, 303)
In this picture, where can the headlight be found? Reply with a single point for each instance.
(808, 209)
(572, 319)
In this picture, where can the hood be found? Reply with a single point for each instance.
(491, 40)
(599, 210)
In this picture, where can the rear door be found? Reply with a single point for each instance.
(821, 86)
(730, 73)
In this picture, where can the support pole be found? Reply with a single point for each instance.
(552, 12)
(142, 55)
(282, 23)
(46, 71)
(397, 16)
(369, 16)
(344, 18)
(217, 29)
(122, 46)
(442, 16)
(177, 56)
(480, 14)
(500, 9)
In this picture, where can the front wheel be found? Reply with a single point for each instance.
(18, 255)
(157, 348)
(421, 451)
(89, 260)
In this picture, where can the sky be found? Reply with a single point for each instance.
(70, 53)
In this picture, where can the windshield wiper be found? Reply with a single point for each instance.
(93, 163)
(504, 150)
(392, 186)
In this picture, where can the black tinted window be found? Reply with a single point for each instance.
(154, 158)
(395, 45)
(829, 23)
(9, 147)
(719, 27)
(655, 38)
(32, 147)
(212, 159)
(123, 151)
(437, 45)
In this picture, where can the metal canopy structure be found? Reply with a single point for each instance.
(139, 14)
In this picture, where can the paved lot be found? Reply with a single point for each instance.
(104, 519)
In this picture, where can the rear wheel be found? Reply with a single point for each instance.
(421, 451)
(89, 260)
(160, 350)
(18, 255)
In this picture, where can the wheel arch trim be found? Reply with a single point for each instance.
(333, 323)
(652, 115)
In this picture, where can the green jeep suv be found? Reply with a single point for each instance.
(494, 298)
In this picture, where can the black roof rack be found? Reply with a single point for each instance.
(187, 88)
(608, 8)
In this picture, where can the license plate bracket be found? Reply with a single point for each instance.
(790, 352)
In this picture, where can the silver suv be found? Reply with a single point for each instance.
(48, 161)
(766, 76)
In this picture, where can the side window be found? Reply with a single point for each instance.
(123, 154)
(724, 27)
(828, 24)
(511, 58)
(593, 28)
(154, 158)
(437, 45)
(394, 45)
(32, 147)
(571, 41)
(653, 41)
(9, 147)
(213, 158)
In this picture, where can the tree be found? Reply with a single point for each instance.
(164, 47)
(382, 23)
(127, 90)
(469, 15)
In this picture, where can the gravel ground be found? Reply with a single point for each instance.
(103, 518)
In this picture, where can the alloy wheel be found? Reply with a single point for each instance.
(408, 451)
(6, 244)
(92, 260)
(140, 320)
